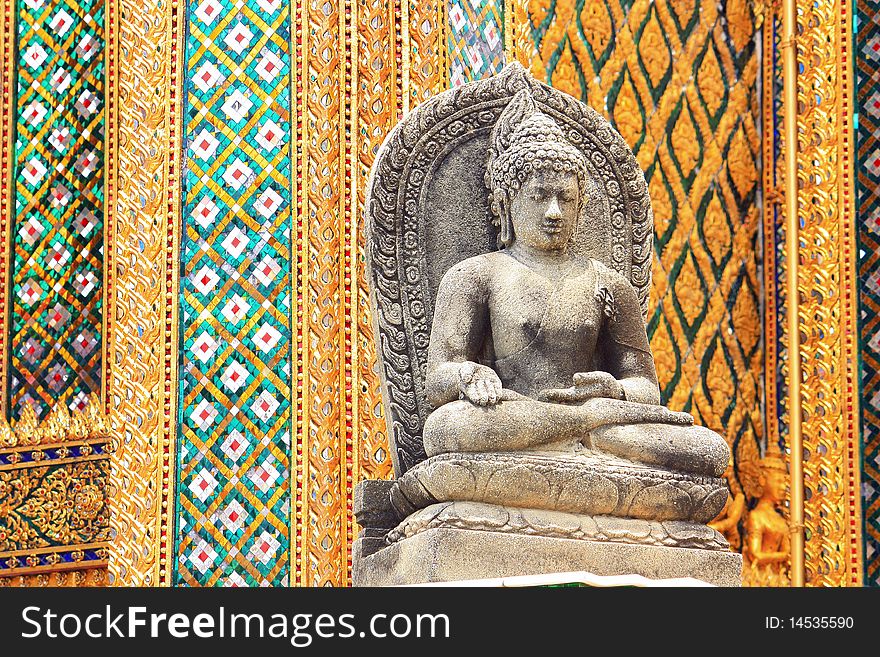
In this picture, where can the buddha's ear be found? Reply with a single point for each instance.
(505, 235)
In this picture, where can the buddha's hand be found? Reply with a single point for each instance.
(587, 385)
(479, 384)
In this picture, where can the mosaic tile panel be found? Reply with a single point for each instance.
(56, 284)
(679, 81)
(235, 427)
(475, 39)
(867, 58)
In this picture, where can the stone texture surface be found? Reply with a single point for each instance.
(588, 483)
(689, 449)
(555, 524)
(445, 555)
(372, 504)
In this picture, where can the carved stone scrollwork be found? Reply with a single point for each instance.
(512, 520)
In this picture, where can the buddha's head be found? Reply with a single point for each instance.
(536, 178)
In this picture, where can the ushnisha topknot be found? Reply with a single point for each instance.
(525, 140)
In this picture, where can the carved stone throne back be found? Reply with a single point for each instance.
(427, 209)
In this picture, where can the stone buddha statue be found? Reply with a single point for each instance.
(528, 408)
(555, 336)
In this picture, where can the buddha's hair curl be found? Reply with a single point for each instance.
(525, 140)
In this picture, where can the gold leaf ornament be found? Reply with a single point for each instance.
(748, 467)
(685, 141)
(626, 113)
(27, 427)
(654, 51)
(7, 437)
(598, 27)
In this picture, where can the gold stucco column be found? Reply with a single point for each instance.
(828, 295)
(141, 252)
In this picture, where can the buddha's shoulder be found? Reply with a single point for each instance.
(611, 278)
(477, 269)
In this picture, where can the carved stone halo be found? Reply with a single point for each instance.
(427, 209)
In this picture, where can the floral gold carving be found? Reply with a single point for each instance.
(64, 578)
(828, 295)
(53, 505)
(141, 264)
(54, 498)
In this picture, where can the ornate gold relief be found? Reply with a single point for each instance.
(423, 49)
(140, 276)
(71, 578)
(378, 108)
(388, 57)
(59, 426)
(828, 295)
(766, 547)
(54, 504)
(7, 185)
(54, 513)
(827, 284)
(325, 92)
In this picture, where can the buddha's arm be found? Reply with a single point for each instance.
(624, 344)
(457, 335)
(732, 512)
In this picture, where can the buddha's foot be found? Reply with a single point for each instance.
(599, 412)
(585, 482)
(696, 450)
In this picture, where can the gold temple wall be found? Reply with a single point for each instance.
(349, 79)
(827, 284)
(381, 67)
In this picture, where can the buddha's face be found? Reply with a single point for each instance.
(544, 212)
(775, 482)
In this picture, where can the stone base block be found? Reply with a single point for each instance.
(447, 555)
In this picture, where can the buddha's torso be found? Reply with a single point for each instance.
(544, 324)
(771, 526)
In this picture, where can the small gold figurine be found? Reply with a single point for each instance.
(727, 522)
(767, 549)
